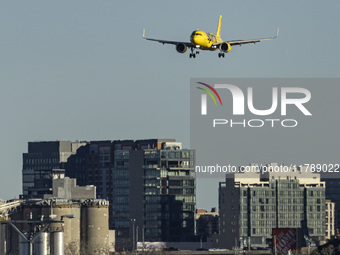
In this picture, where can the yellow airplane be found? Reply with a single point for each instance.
(200, 40)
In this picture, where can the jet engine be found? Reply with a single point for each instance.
(225, 47)
(181, 48)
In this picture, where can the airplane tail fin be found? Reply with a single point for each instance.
(218, 32)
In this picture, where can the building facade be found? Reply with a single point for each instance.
(154, 191)
(332, 193)
(252, 204)
(207, 223)
(41, 165)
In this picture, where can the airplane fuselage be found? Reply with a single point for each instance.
(204, 40)
(200, 40)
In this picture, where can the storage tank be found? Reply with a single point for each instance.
(58, 207)
(70, 227)
(95, 223)
(75, 223)
(42, 244)
(57, 243)
(24, 247)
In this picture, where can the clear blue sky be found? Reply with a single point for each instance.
(80, 69)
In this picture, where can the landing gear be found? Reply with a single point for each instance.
(192, 54)
(221, 55)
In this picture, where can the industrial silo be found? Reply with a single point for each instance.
(57, 243)
(58, 208)
(75, 223)
(95, 224)
(42, 244)
(24, 246)
(61, 209)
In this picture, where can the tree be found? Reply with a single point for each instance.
(71, 248)
(93, 249)
(328, 250)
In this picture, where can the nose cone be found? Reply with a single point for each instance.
(192, 36)
(196, 37)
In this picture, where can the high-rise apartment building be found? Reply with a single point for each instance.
(154, 190)
(252, 204)
(150, 185)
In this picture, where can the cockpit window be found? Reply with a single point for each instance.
(195, 33)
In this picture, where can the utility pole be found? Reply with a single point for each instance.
(248, 245)
(308, 243)
(297, 241)
(143, 237)
(136, 237)
(133, 221)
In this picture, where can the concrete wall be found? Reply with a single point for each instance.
(112, 240)
(95, 225)
(67, 188)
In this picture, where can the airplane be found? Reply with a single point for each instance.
(200, 40)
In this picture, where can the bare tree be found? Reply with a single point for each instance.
(144, 252)
(328, 250)
(71, 248)
(93, 249)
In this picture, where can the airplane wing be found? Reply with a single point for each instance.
(188, 44)
(240, 42)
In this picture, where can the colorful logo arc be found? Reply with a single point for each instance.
(209, 93)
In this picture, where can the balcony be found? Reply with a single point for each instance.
(154, 166)
(185, 167)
